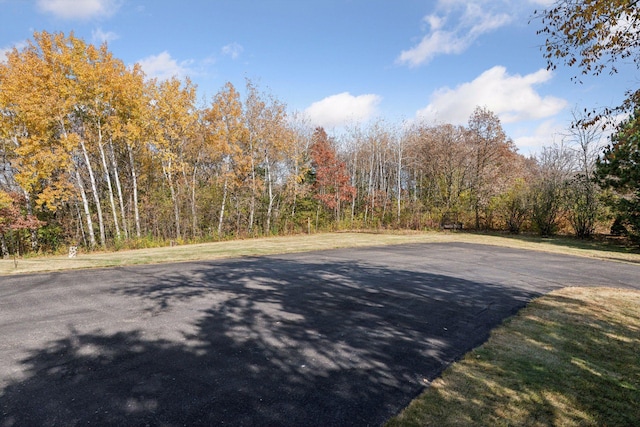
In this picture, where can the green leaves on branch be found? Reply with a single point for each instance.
(619, 170)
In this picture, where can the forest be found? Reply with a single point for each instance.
(95, 154)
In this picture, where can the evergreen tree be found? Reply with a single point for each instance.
(619, 169)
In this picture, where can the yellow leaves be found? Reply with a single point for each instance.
(70, 104)
(55, 89)
(69, 142)
(224, 124)
(266, 120)
(5, 200)
(174, 111)
(53, 196)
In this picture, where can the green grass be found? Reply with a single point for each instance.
(571, 358)
(301, 243)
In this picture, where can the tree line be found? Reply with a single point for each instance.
(95, 154)
(595, 37)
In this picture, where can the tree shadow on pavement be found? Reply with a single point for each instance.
(273, 342)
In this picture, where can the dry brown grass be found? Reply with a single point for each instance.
(288, 244)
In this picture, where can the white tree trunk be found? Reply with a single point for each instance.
(116, 175)
(271, 197)
(87, 211)
(96, 196)
(134, 179)
(194, 210)
(399, 177)
(224, 201)
(107, 178)
(174, 199)
(81, 224)
(34, 234)
(4, 251)
(354, 184)
(252, 204)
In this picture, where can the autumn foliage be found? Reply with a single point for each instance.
(332, 187)
(94, 153)
(593, 37)
(14, 220)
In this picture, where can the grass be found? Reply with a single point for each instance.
(571, 358)
(209, 251)
(609, 248)
(301, 243)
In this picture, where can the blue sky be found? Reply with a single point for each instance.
(342, 61)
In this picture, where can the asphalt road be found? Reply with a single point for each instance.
(341, 337)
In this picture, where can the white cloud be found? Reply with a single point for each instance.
(512, 97)
(543, 3)
(4, 51)
(98, 36)
(233, 50)
(531, 137)
(163, 66)
(79, 9)
(435, 22)
(478, 18)
(531, 140)
(342, 109)
(472, 20)
(438, 42)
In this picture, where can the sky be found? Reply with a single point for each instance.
(342, 62)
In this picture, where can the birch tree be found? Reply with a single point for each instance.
(174, 113)
(36, 101)
(226, 132)
(270, 139)
(133, 131)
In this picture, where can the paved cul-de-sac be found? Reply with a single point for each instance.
(340, 337)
